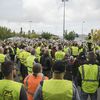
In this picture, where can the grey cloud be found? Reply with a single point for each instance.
(11, 10)
(48, 14)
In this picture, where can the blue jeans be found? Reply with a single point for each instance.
(84, 96)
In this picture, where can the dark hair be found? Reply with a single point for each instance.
(59, 67)
(60, 47)
(92, 57)
(7, 68)
(36, 69)
(32, 51)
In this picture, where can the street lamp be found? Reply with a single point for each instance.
(64, 16)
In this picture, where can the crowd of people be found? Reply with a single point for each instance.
(41, 69)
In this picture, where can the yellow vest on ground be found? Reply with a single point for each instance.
(59, 55)
(57, 90)
(9, 90)
(2, 58)
(90, 77)
(30, 62)
(74, 51)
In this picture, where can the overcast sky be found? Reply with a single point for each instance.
(47, 15)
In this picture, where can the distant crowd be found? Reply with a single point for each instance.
(42, 69)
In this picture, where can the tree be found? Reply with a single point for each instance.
(76, 35)
(46, 35)
(6, 33)
(69, 36)
(96, 36)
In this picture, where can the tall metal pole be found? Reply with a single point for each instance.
(64, 19)
(64, 16)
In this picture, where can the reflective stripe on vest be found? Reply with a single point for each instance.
(57, 90)
(90, 77)
(9, 90)
(26, 84)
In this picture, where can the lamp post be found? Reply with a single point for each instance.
(64, 14)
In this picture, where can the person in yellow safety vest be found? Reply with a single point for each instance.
(23, 56)
(6, 53)
(59, 55)
(2, 60)
(2, 56)
(75, 50)
(49, 50)
(81, 48)
(30, 61)
(67, 50)
(89, 78)
(17, 52)
(57, 88)
(38, 49)
(10, 90)
(96, 48)
(12, 53)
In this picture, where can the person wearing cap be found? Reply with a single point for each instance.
(10, 90)
(32, 81)
(57, 88)
(89, 78)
